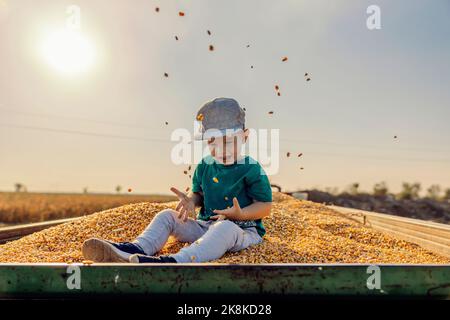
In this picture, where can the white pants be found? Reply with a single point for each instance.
(209, 239)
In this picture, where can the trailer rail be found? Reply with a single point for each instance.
(16, 232)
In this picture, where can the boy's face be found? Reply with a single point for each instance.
(227, 150)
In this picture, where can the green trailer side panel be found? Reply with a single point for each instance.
(40, 280)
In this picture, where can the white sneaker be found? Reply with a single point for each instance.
(99, 250)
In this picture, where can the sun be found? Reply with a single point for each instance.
(68, 51)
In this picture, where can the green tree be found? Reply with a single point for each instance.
(380, 189)
(353, 188)
(447, 194)
(434, 191)
(410, 191)
(18, 187)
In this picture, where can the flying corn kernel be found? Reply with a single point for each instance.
(216, 180)
(200, 117)
(181, 14)
(284, 59)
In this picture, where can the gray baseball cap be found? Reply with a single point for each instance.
(220, 117)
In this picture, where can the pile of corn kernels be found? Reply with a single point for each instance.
(297, 232)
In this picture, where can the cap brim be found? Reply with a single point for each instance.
(218, 133)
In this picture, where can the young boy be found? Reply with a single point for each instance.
(231, 190)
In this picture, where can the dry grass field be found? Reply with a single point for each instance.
(25, 207)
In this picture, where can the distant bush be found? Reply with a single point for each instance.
(19, 187)
(353, 188)
(447, 194)
(410, 191)
(434, 191)
(380, 189)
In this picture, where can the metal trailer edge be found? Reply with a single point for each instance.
(18, 281)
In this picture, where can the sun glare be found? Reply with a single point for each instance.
(68, 52)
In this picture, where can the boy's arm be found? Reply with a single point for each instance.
(257, 210)
(197, 198)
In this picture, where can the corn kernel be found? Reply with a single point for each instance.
(298, 231)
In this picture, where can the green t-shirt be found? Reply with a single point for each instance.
(245, 180)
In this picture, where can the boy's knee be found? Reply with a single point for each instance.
(225, 225)
(167, 215)
(228, 231)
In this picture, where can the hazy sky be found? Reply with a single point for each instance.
(61, 132)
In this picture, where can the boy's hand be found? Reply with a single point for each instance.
(185, 207)
(233, 213)
(218, 217)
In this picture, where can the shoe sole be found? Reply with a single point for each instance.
(99, 250)
(133, 258)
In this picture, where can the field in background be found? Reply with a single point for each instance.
(25, 207)
(427, 208)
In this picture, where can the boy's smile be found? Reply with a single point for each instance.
(227, 149)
